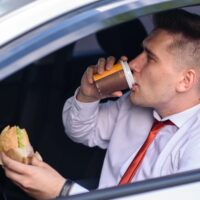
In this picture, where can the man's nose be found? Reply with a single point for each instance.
(137, 64)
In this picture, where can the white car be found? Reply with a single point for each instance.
(45, 46)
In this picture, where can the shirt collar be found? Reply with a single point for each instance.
(179, 118)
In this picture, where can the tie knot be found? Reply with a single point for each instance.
(159, 124)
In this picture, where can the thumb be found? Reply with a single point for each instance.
(36, 162)
(117, 94)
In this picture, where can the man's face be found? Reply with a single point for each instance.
(155, 72)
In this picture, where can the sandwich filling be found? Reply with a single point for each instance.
(20, 137)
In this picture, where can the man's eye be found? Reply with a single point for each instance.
(149, 58)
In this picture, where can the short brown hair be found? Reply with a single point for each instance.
(185, 27)
(179, 21)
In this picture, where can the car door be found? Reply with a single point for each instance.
(38, 72)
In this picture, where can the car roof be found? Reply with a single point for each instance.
(15, 15)
(7, 6)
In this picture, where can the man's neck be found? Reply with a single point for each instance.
(177, 107)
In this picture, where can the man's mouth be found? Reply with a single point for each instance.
(134, 87)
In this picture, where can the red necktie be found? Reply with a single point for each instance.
(130, 172)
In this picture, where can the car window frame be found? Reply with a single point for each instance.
(73, 26)
(140, 188)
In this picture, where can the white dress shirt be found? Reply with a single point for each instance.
(122, 128)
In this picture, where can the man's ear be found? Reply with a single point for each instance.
(187, 80)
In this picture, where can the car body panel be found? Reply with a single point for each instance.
(182, 186)
(183, 192)
(32, 15)
(7, 6)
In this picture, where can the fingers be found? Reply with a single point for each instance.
(13, 165)
(124, 58)
(13, 169)
(117, 94)
(89, 74)
(110, 62)
(103, 64)
(106, 64)
(15, 177)
(36, 162)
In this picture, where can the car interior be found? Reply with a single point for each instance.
(33, 98)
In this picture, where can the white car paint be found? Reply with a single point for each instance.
(183, 192)
(33, 14)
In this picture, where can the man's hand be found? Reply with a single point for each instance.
(39, 180)
(88, 91)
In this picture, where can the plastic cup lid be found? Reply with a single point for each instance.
(128, 74)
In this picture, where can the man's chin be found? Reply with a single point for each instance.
(137, 101)
(133, 99)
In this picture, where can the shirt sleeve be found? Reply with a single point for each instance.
(90, 123)
(77, 189)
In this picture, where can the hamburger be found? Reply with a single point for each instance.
(14, 142)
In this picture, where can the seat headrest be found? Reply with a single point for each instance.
(123, 39)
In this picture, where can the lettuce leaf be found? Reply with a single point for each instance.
(20, 137)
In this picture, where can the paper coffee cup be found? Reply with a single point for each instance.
(118, 78)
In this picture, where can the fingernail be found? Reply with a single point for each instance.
(108, 66)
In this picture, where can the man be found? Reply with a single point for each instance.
(167, 88)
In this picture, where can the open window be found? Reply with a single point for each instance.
(42, 66)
